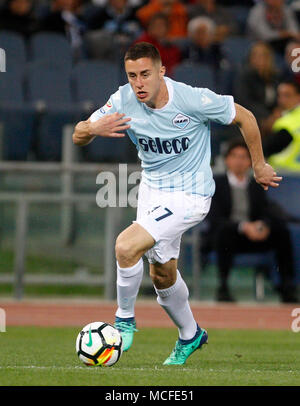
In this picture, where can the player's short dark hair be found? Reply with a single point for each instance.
(235, 143)
(292, 83)
(142, 50)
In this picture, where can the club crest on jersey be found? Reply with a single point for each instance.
(181, 121)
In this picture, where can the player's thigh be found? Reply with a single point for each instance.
(163, 275)
(134, 240)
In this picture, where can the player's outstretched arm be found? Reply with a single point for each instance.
(264, 173)
(110, 125)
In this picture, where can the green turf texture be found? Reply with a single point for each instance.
(46, 356)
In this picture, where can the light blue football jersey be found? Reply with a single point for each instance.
(173, 142)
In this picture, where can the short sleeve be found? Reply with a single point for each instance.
(215, 107)
(113, 105)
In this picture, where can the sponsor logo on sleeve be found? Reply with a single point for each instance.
(106, 107)
(109, 104)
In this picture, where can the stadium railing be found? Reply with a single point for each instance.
(67, 199)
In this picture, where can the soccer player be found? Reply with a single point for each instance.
(169, 122)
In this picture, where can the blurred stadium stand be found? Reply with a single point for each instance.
(236, 49)
(94, 82)
(51, 46)
(46, 91)
(16, 116)
(288, 197)
(195, 75)
(48, 88)
(18, 125)
(43, 90)
(48, 82)
(109, 47)
(51, 90)
(15, 48)
(11, 86)
(264, 264)
(239, 15)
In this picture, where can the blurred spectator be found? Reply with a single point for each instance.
(173, 9)
(283, 145)
(201, 46)
(156, 34)
(291, 68)
(274, 22)
(243, 220)
(224, 22)
(245, 3)
(295, 6)
(17, 15)
(256, 83)
(65, 18)
(116, 17)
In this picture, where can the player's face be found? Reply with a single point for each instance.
(238, 161)
(145, 78)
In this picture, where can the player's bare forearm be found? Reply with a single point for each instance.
(82, 133)
(263, 172)
(250, 131)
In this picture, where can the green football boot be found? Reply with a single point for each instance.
(184, 348)
(127, 328)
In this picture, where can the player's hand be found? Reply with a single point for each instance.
(266, 176)
(110, 125)
(255, 230)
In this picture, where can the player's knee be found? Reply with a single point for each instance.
(162, 280)
(123, 252)
(126, 254)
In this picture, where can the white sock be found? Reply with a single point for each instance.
(174, 300)
(128, 284)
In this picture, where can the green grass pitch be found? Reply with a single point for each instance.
(46, 356)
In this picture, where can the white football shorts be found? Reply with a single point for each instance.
(166, 216)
